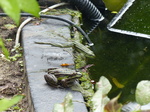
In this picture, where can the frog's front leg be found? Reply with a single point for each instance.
(51, 80)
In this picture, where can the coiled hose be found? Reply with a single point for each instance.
(90, 10)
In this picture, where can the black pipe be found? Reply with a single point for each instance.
(89, 10)
(99, 5)
(61, 19)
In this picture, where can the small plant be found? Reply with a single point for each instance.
(4, 49)
(18, 53)
(7, 103)
(6, 53)
(14, 7)
(66, 105)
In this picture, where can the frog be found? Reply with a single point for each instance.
(62, 78)
(75, 44)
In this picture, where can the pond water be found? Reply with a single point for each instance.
(123, 59)
(136, 18)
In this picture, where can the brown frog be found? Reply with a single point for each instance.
(60, 77)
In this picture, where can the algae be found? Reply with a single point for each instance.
(81, 61)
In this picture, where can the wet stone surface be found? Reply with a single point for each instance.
(40, 57)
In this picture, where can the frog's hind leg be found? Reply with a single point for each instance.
(51, 80)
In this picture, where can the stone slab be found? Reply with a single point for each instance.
(40, 57)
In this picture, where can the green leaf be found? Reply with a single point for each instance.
(104, 85)
(58, 108)
(66, 106)
(7, 103)
(30, 6)
(11, 7)
(142, 93)
(5, 52)
(4, 49)
(100, 99)
(114, 5)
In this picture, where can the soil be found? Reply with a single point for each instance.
(12, 77)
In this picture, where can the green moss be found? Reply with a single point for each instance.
(80, 61)
(65, 11)
(86, 81)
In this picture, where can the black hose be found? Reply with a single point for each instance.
(90, 11)
(61, 19)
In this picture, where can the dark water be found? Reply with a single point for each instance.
(137, 18)
(120, 57)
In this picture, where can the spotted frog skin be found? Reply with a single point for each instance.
(60, 77)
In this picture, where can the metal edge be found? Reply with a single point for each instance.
(118, 16)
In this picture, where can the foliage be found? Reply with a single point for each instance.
(17, 50)
(143, 92)
(4, 49)
(100, 99)
(18, 53)
(73, 13)
(14, 7)
(7, 103)
(101, 103)
(66, 106)
(114, 5)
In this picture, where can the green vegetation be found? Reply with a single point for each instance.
(14, 7)
(116, 61)
(114, 5)
(66, 106)
(143, 92)
(100, 102)
(7, 103)
(4, 49)
(6, 53)
(18, 53)
(73, 13)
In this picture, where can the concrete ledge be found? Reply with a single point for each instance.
(39, 58)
